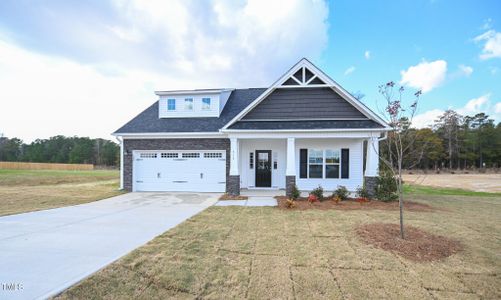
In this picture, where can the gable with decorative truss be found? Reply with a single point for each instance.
(305, 93)
(304, 77)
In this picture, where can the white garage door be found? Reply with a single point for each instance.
(180, 171)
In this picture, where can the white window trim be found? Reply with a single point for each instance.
(188, 100)
(204, 108)
(323, 164)
(168, 107)
(316, 164)
(332, 164)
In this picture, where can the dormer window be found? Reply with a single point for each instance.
(188, 103)
(171, 104)
(205, 103)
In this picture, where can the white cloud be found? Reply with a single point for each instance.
(465, 70)
(487, 24)
(241, 40)
(426, 119)
(367, 54)
(349, 70)
(475, 105)
(425, 75)
(492, 46)
(497, 108)
(472, 107)
(190, 45)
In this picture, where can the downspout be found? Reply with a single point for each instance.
(121, 142)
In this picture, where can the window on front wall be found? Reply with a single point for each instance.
(332, 163)
(205, 103)
(251, 160)
(171, 104)
(188, 104)
(315, 163)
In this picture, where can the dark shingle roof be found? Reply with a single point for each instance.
(149, 122)
(324, 124)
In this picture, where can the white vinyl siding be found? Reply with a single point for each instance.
(355, 179)
(200, 110)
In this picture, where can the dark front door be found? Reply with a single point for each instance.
(263, 168)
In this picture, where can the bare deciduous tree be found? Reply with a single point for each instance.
(400, 139)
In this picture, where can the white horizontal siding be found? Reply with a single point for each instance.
(329, 184)
(197, 111)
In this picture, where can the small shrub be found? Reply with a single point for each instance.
(312, 198)
(290, 203)
(295, 193)
(319, 192)
(341, 192)
(362, 192)
(386, 189)
(336, 199)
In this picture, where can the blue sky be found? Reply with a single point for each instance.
(85, 68)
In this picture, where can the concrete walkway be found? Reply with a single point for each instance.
(42, 253)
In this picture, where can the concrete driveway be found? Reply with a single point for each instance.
(42, 253)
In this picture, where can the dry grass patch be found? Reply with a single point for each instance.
(254, 253)
(232, 197)
(35, 191)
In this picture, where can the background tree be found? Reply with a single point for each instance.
(61, 149)
(448, 126)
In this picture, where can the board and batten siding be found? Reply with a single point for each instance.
(356, 174)
(304, 103)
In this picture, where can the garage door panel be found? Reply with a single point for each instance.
(203, 171)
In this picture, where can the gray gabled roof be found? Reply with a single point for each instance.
(149, 122)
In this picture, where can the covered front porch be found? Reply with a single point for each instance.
(274, 163)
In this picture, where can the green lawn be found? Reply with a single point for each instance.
(239, 252)
(30, 190)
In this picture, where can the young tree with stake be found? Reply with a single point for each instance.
(400, 140)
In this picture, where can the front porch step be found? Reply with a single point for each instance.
(261, 193)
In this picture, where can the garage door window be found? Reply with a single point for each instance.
(169, 155)
(191, 155)
(148, 155)
(213, 155)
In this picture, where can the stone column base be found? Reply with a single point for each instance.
(290, 181)
(233, 185)
(370, 184)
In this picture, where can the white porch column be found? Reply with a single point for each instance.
(291, 157)
(372, 163)
(234, 157)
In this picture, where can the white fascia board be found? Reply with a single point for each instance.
(191, 92)
(167, 135)
(320, 74)
(304, 134)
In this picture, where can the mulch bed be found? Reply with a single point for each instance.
(230, 197)
(303, 204)
(418, 245)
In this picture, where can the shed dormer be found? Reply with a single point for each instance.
(192, 103)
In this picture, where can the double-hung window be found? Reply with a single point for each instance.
(188, 104)
(205, 103)
(171, 104)
(331, 163)
(315, 163)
